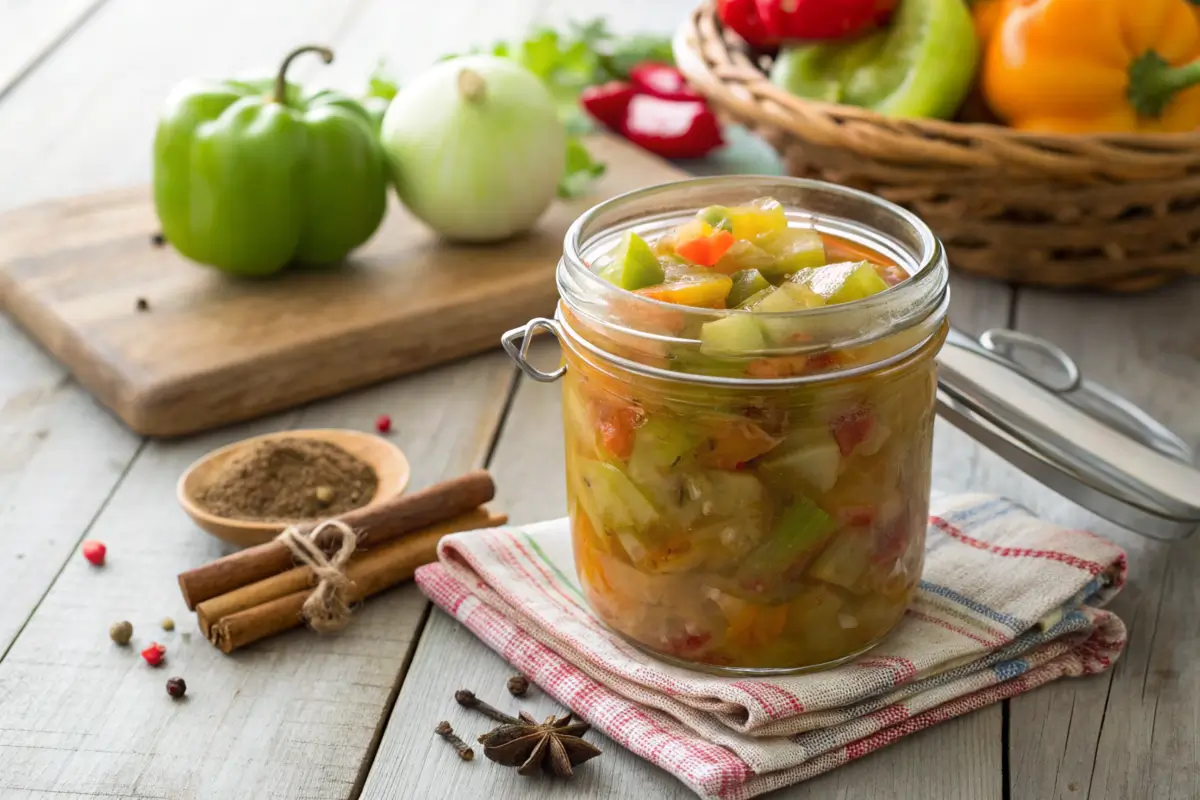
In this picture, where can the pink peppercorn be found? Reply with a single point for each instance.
(383, 424)
(94, 552)
(154, 654)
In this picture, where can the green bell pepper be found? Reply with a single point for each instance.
(921, 65)
(250, 176)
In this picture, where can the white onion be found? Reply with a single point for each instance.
(476, 148)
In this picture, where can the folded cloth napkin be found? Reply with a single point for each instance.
(1008, 602)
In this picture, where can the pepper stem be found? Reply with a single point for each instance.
(281, 78)
(1153, 83)
(472, 86)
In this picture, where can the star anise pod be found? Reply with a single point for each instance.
(553, 746)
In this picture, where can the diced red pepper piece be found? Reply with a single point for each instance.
(661, 80)
(852, 428)
(822, 19)
(742, 17)
(706, 250)
(616, 426)
(672, 128)
(608, 103)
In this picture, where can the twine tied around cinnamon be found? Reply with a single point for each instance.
(326, 608)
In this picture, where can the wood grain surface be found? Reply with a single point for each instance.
(211, 350)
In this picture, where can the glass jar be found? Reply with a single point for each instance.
(760, 510)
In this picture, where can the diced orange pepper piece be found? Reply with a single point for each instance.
(616, 425)
(706, 250)
(730, 445)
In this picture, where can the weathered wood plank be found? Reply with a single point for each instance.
(528, 464)
(60, 457)
(294, 716)
(1133, 732)
(30, 31)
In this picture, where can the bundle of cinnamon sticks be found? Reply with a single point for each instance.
(259, 591)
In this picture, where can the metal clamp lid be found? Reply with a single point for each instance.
(1071, 434)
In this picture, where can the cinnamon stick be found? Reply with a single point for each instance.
(372, 572)
(374, 524)
(303, 578)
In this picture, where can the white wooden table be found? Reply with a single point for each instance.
(301, 716)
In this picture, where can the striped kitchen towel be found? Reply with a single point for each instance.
(1008, 602)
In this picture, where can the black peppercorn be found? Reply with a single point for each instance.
(143, 304)
(176, 687)
(158, 240)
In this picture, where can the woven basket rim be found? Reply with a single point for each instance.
(949, 129)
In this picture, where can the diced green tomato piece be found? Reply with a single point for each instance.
(793, 249)
(661, 443)
(633, 265)
(842, 283)
(809, 455)
(756, 298)
(844, 561)
(735, 494)
(733, 335)
(612, 500)
(743, 255)
(577, 419)
(800, 532)
(761, 216)
(699, 288)
(746, 283)
(717, 216)
(785, 299)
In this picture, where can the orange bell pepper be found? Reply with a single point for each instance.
(706, 250)
(1082, 66)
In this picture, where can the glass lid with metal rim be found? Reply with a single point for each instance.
(1071, 434)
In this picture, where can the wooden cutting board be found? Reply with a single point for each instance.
(211, 350)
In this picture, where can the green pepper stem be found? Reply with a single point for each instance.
(281, 79)
(472, 86)
(1153, 83)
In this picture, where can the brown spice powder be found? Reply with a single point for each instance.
(289, 480)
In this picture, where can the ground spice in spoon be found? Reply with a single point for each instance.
(288, 480)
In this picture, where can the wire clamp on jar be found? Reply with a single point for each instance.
(520, 352)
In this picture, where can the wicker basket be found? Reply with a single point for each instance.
(1112, 212)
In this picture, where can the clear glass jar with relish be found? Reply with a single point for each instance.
(749, 390)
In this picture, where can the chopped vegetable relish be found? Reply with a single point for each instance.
(778, 528)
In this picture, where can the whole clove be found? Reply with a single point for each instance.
(518, 685)
(467, 699)
(464, 750)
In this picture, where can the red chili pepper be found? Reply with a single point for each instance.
(706, 250)
(672, 128)
(742, 17)
(608, 103)
(383, 423)
(822, 19)
(154, 654)
(661, 80)
(94, 552)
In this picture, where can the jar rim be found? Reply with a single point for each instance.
(932, 253)
(866, 219)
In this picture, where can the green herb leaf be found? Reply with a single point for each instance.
(581, 171)
(379, 85)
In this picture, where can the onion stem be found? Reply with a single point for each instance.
(472, 86)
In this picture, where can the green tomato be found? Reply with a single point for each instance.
(922, 65)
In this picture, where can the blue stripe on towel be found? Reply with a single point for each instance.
(1015, 623)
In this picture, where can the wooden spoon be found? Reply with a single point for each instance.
(388, 461)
